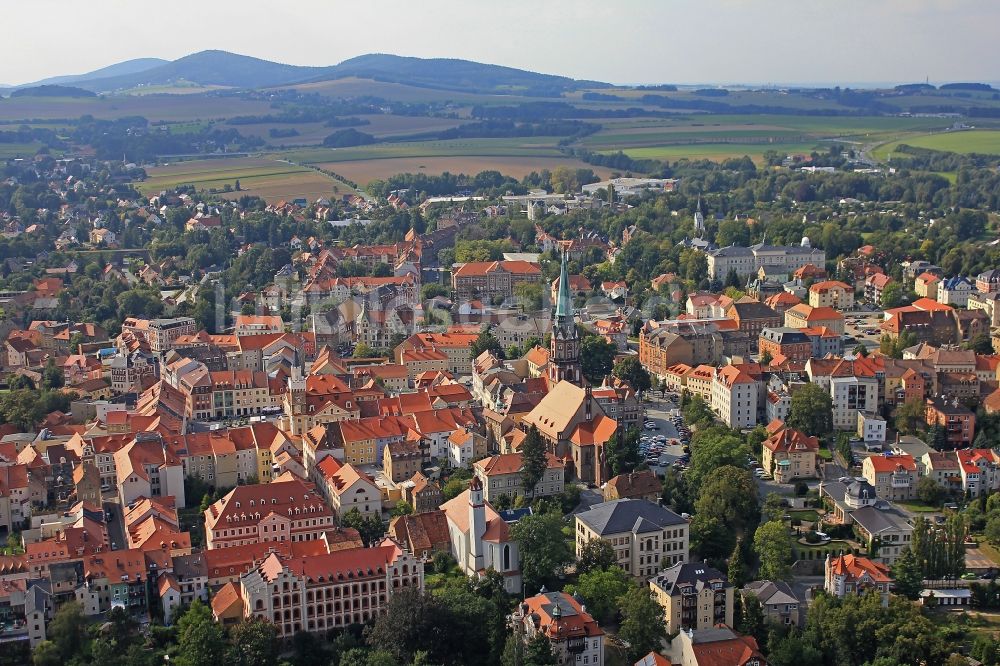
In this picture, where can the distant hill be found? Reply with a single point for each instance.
(52, 91)
(453, 74)
(118, 69)
(214, 68)
(221, 68)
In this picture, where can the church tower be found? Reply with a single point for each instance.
(699, 220)
(564, 348)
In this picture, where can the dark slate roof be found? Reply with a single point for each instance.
(772, 592)
(693, 575)
(628, 515)
(785, 336)
(754, 310)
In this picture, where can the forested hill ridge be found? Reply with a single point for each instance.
(221, 68)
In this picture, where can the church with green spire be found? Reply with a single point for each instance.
(564, 348)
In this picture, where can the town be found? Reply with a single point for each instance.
(631, 410)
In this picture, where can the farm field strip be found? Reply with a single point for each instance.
(364, 171)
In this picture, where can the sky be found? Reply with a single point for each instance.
(619, 41)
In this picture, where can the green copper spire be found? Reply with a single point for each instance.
(564, 303)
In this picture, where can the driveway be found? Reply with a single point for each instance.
(116, 526)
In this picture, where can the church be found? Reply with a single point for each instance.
(480, 538)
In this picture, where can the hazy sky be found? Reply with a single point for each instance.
(620, 41)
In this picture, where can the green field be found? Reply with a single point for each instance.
(9, 150)
(966, 141)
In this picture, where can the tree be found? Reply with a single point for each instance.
(992, 530)
(361, 350)
(930, 492)
(909, 418)
(486, 342)
(597, 357)
(622, 452)
(697, 412)
(402, 508)
(774, 550)
(907, 574)
(601, 590)
(749, 616)
(595, 555)
(766, 357)
(533, 462)
(536, 652)
(200, 639)
(892, 295)
(46, 654)
(730, 497)
(811, 410)
(412, 621)
(737, 568)
(370, 527)
(67, 629)
(630, 370)
(643, 625)
(52, 376)
(544, 550)
(711, 449)
(254, 643)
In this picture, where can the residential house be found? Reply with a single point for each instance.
(573, 634)
(502, 475)
(894, 477)
(789, 454)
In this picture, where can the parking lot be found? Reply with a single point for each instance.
(659, 412)
(863, 327)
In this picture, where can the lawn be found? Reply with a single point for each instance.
(968, 141)
(825, 453)
(804, 514)
(918, 507)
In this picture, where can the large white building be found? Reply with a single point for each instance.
(746, 261)
(735, 397)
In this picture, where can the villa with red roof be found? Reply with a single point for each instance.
(850, 574)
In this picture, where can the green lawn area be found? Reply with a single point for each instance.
(918, 507)
(804, 514)
(988, 549)
(825, 453)
(720, 151)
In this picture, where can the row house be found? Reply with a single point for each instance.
(957, 420)
(345, 488)
(502, 475)
(146, 467)
(159, 334)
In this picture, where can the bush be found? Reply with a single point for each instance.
(442, 562)
(801, 489)
(812, 537)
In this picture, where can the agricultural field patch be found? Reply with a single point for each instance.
(720, 151)
(270, 179)
(966, 141)
(365, 171)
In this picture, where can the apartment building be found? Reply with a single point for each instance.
(644, 535)
(831, 294)
(735, 397)
(958, 421)
(693, 596)
(492, 280)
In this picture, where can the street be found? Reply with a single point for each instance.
(116, 525)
